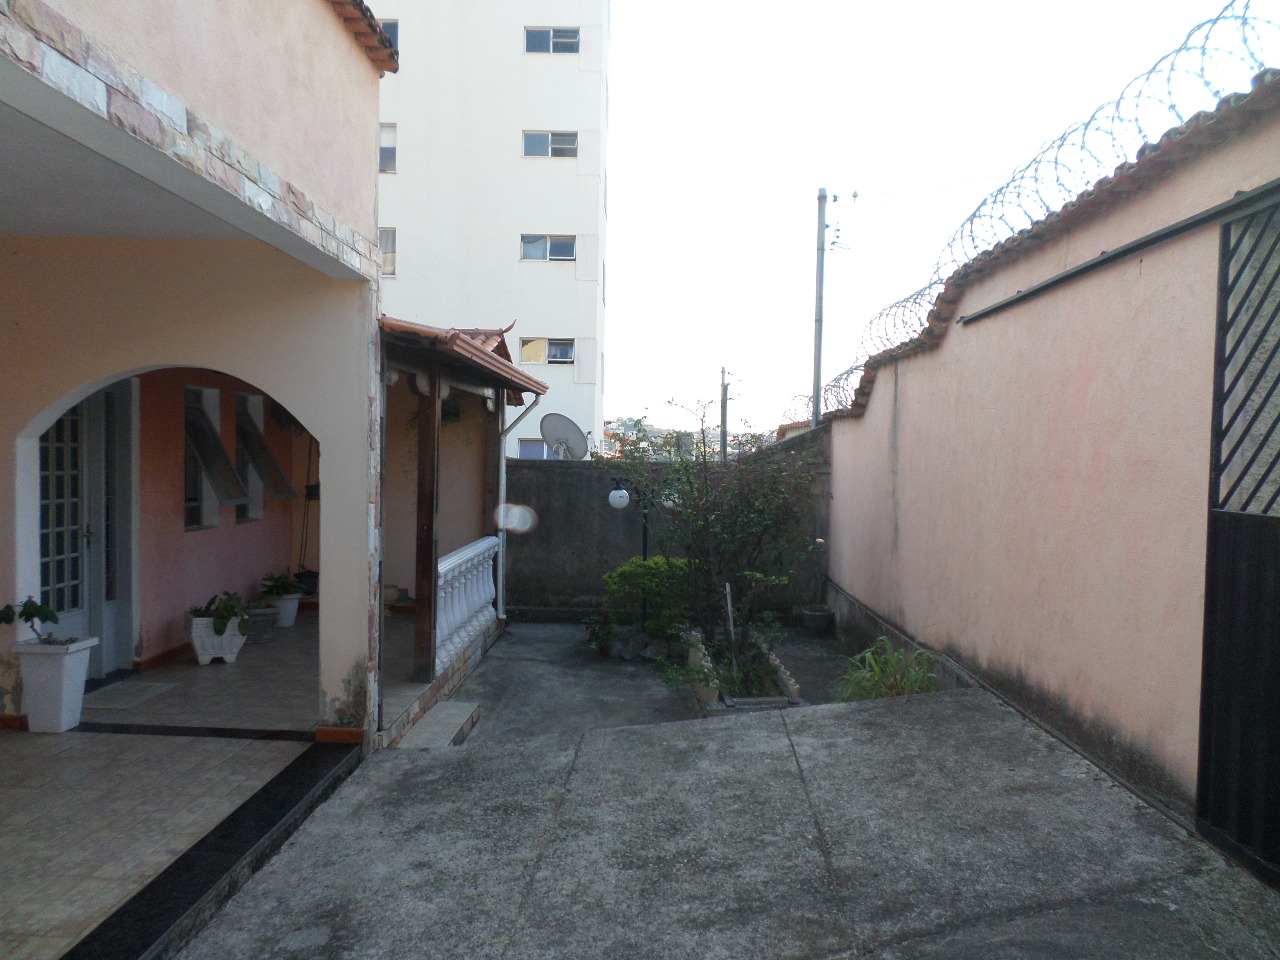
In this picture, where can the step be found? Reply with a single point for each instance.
(445, 724)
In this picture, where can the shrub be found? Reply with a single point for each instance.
(743, 525)
(883, 670)
(600, 632)
(663, 581)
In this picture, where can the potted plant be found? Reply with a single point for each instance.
(817, 616)
(53, 669)
(262, 620)
(284, 591)
(219, 628)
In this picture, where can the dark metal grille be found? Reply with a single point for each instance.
(61, 568)
(1247, 448)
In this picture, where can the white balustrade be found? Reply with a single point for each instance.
(465, 592)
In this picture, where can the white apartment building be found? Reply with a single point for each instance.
(492, 197)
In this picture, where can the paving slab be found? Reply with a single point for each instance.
(943, 825)
(544, 678)
(684, 840)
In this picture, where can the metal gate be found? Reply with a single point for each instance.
(1238, 796)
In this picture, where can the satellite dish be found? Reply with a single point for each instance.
(564, 438)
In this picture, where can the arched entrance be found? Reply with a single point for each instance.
(142, 498)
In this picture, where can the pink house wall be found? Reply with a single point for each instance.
(180, 568)
(1032, 496)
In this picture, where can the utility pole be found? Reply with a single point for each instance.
(724, 417)
(817, 312)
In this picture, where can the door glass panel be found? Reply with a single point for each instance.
(60, 566)
(109, 496)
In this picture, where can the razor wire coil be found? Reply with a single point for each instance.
(1218, 57)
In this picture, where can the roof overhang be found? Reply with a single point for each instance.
(368, 33)
(470, 353)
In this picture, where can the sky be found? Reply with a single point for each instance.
(723, 124)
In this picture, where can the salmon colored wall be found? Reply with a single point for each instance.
(1032, 496)
(400, 487)
(182, 568)
(462, 474)
(285, 81)
(77, 314)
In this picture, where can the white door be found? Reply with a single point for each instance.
(82, 469)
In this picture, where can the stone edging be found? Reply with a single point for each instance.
(708, 693)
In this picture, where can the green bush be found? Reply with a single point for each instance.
(600, 632)
(882, 670)
(663, 581)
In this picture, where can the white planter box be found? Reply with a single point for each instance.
(53, 676)
(208, 644)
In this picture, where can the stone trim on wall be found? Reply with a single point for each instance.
(51, 48)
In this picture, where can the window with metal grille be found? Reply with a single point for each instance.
(1246, 476)
(257, 466)
(207, 460)
(550, 143)
(387, 148)
(533, 450)
(545, 350)
(551, 39)
(541, 246)
(387, 244)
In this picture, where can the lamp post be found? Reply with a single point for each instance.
(620, 499)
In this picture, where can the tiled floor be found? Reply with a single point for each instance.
(87, 820)
(272, 685)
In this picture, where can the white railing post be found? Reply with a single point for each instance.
(465, 592)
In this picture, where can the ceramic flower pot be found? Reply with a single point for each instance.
(53, 676)
(286, 609)
(208, 644)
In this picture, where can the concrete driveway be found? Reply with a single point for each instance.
(940, 826)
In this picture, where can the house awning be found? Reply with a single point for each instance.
(367, 31)
(483, 354)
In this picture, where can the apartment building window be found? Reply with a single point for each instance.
(551, 39)
(540, 246)
(533, 450)
(387, 244)
(392, 29)
(551, 143)
(545, 350)
(387, 148)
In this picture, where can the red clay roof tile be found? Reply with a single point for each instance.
(368, 32)
(484, 351)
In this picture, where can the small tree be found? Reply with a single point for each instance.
(31, 611)
(741, 523)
